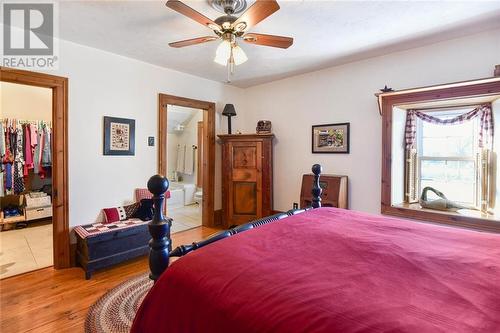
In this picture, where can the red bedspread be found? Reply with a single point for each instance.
(332, 270)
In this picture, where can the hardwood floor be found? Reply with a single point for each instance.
(49, 300)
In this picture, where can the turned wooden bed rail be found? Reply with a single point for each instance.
(159, 227)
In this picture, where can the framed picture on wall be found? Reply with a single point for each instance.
(119, 136)
(330, 139)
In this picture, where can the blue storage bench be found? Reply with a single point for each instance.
(101, 245)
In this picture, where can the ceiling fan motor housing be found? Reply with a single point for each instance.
(229, 6)
(226, 22)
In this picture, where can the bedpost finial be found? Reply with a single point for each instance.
(316, 190)
(158, 185)
(317, 169)
(159, 228)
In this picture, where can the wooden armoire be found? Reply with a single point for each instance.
(247, 177)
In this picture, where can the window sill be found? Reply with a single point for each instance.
(463, 218)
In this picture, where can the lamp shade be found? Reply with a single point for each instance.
(229, 110)
(239, 56)
(223, 53)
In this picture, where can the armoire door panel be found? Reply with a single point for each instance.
(244, 198)
(244, 156)
(244, 175)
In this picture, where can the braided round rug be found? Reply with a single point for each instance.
(114, 312)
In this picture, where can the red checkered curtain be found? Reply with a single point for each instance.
(486, 127)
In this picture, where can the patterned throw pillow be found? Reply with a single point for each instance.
(131, 209)
(114, 214)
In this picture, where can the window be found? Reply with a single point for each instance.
(401, 178)
(447, 158)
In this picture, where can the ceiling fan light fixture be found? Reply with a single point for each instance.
(229, 27)
(239, 55)
(214, 27)
(223, 52)
(220, 60)
(240, 27)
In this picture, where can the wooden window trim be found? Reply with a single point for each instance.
(387, 101)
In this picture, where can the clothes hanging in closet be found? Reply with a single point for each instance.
(24, 146)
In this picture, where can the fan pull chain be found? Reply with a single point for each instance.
(230, 66)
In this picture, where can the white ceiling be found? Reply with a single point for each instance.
(326, 33)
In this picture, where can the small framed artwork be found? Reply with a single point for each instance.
(330, 139)
(119, 136)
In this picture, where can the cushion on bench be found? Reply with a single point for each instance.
(90, 230)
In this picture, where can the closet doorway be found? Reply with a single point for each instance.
(34, 203)
(187, 158)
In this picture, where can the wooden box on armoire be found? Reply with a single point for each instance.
(247, 177)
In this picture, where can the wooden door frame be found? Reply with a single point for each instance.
(208, 108)
(199, 163)
(60, 198)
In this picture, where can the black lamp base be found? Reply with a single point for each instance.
(229, 125)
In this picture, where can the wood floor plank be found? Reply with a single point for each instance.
(47, 300)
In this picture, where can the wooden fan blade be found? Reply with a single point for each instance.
(255, 13)
(193, 41)
(268, 40)
(185, 10)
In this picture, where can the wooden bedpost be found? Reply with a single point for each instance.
(159, 228)
(316, 190)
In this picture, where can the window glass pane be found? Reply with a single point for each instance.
(456, 179)
(448, 140)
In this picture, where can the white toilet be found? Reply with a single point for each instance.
(189, 190)
(198, 197)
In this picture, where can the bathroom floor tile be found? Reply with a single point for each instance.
(178, 227)
(194, 221)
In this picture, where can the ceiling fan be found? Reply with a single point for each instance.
(230, 28)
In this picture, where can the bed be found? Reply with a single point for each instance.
(330, 270)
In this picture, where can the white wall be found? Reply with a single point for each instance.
(24, 102)
(102, 83)
(346, 94)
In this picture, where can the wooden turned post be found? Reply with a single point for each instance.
(316, 190)
(159, 228)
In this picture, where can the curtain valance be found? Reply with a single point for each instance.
(486, 127)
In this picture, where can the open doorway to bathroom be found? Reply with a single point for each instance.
(187, 159)
(184, 157)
